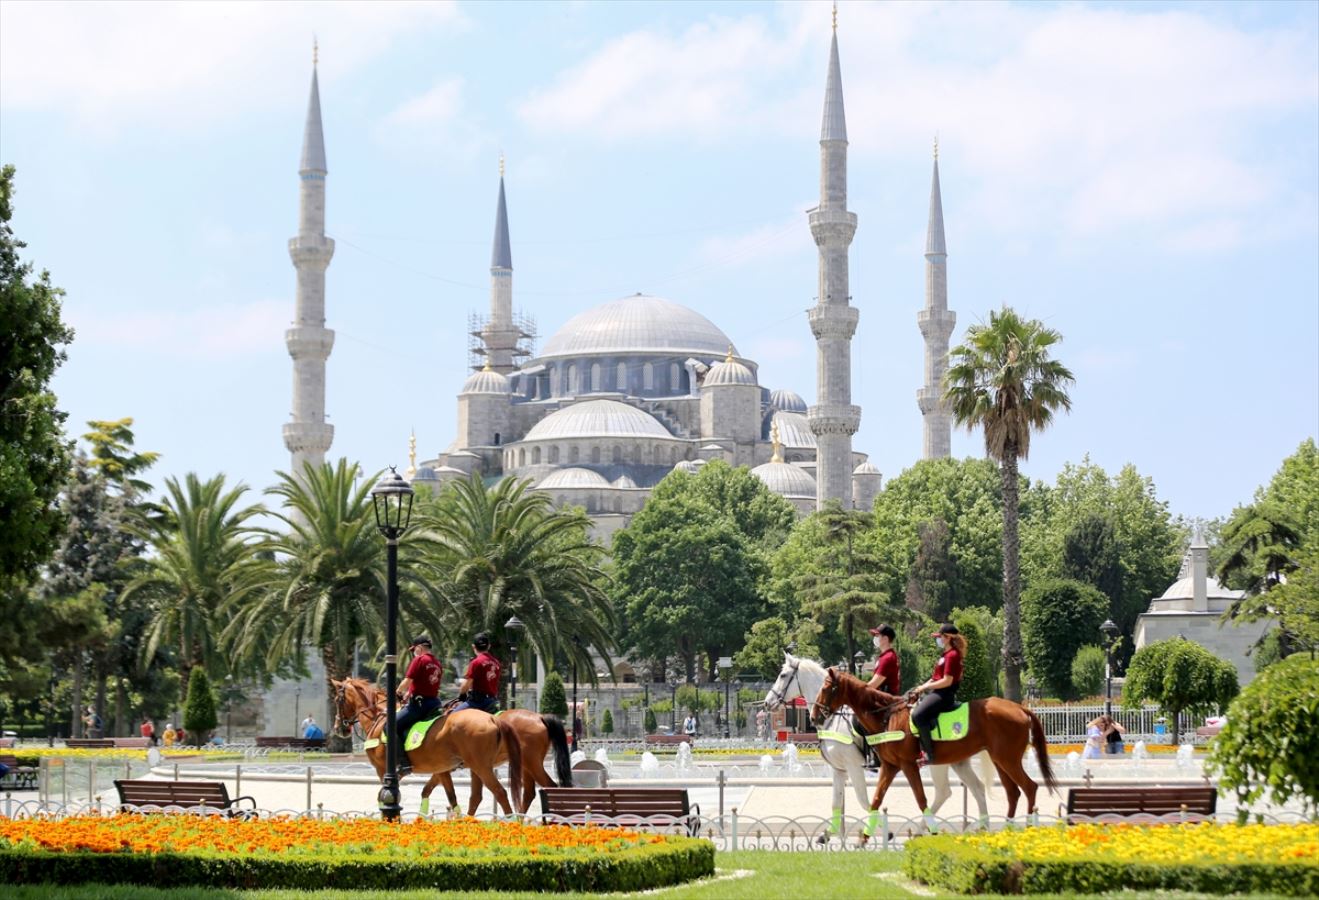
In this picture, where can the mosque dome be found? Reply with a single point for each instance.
(794, 430)
(687, 465)
(486, 381)
(572, 478)
(425, 473)
(597, 418)
(729, 372)
(1184, 589)
(638, 324)
(783, 400)
(785, 479)
(623, 482)
(866, 468)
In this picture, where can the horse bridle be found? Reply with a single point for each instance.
(340, 720)
(836, 682)
(780, 697)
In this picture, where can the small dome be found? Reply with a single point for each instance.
(625, 483)
(425, 473)
(786, 401)
(486, 381)
(727, 373)
(866, 468)
(1184, 589)
(687, 465)
(572, 478)
(794, 431)
(785, 479)
(597, 418)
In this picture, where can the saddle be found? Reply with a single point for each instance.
(416, 734)
(952, 725)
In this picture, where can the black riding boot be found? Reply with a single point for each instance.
(927, 744)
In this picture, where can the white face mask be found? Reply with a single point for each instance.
(876, 640)
(939, 642)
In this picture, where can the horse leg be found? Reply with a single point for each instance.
(1010, 788)
(426, 793)
(913, 773)
(835, 825)
(477, 795)
(1014, 770)
(856, 773)
(887, 772)
(486, 773)
(450, 795)
(941, 789)
(966, 771)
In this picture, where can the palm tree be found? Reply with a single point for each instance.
(326, 585)
(1003, 379)
(204, 559)
(506, 550)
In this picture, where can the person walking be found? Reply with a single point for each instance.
(148, 731)
(940, 690)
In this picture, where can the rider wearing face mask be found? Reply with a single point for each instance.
(941, 690)
(887, 677)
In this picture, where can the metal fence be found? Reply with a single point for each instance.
(1066, 723)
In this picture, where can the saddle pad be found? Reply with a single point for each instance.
(953, 725)
(417, 733)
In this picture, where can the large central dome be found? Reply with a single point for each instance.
(638, 324)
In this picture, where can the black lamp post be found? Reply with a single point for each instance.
(576, 732)
(297, 710)
(513, 628)
(673, 703)
(860, 658)
(1110, 630)
(726, 664)
(229, 695)
(392, 497)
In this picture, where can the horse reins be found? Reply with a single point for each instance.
(782, 696)
(358, 721)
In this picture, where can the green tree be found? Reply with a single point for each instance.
(114, 456)
(766, 642)
(1004, 380)
(199, 716)
(203, 564)
(651, 725)
(930, 582)
(1058, 617)
(1270, 744)
(1091, 554)
(977, 675)
(1181, 677)
(1088, 671)
(554, 700)
(991, 629)
(34, 455)
(607, 723)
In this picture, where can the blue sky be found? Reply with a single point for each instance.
(1142, 177)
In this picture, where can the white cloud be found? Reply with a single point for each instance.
(1081, 120)
(433, 120)
(184, 65)
(213, 333)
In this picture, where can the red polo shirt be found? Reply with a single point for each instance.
(887, 668)
(949, 664)
(425, 674)
(484, 671)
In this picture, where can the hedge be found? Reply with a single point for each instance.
(677, 860)
(956, 863)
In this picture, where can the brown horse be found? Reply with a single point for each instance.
(537, 734)
(470, 738)
(999, 726)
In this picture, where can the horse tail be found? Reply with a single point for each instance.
(1042, 751)
(562, 756)
(510, 738)
(987, 772)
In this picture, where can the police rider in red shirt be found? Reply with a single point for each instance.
(420, 693)
(940, 691)
(480, 687)
(887, 677)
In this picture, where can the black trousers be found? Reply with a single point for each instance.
(417, 710)
(926, 714)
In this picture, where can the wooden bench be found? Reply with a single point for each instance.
(665, 739)
(803, 737)
(18, 778)
(1192, 802)
(131, 743)
(623, 806)
(155, 796)
(90, 743)
(291, 743)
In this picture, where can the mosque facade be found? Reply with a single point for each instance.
(633, 389)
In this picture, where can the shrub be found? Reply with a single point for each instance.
(651, 725)
(1180, 676)
(1058, 617)
(199, 716)
(607, 723)
(1271, 740)
(554, 700)
(977, 674)
(1088, 671)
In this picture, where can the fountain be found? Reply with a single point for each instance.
(649, 765)
(1185, 756)
(577, 756)
(790, 764)
(1139, 754)
(602, 757)
(766, 763)
(684, 757)
(1073, 764)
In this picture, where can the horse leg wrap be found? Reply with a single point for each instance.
(872, 822)
(837, 821)
(425, 806)
(929, 821)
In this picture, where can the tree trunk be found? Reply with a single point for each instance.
(335, 668)
(75, 724)
(101, 709)
(1011, 578)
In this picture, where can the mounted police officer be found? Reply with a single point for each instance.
(420, 693)
(480, 687)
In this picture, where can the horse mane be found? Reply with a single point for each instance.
(860, 688)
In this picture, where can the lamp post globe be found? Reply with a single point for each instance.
(392, 500)
(1110, 630)
(514, 629)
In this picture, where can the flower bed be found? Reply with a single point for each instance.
(1152, 749)
(1209, 857)
(168, 851)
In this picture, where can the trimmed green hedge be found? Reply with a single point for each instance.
(942, 861)
(677, 860)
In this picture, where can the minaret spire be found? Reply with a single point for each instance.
(500, 336)
(309, 342)
(833, 319)
(936, 323)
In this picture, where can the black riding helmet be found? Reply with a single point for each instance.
(420, 641)
(481, 641)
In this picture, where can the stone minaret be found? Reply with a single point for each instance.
(308, 436)
(499, 336)
(833, 321)
(936, 322)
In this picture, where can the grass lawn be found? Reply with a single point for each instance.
(799, 876)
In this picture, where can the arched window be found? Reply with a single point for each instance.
(620, 378)
(675, 379)
(572, 378)
(496, 438)
(556, 381)
(522, 458)
(595, 454)
(595, 377)
(648, 377)
(673, 454)
(636, 454)
(554, 455)
(574, 454)
(618, 455)
(535, 456)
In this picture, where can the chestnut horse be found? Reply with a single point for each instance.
(999, 726)
(536, 733)
(469, 737)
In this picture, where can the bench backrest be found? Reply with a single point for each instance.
(615, 802)
(8, 760)
(172, 793)
(88, 743)
(1152, 801)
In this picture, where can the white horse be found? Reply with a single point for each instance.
(841, 747)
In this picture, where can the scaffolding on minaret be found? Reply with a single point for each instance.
(524, 347)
